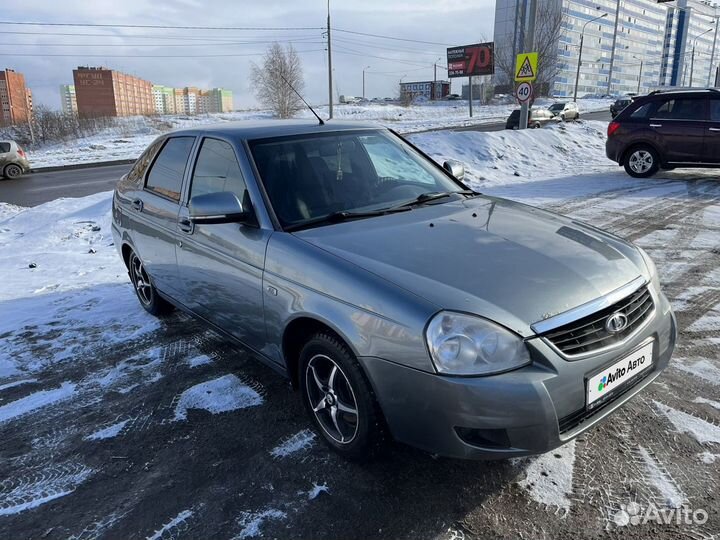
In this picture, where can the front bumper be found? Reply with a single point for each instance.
(511, 414)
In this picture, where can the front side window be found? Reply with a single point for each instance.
(681, 109)
(217, 170)
(4, 147)
(166, 175)
(138, 171)
(311, 177)
(715, 110)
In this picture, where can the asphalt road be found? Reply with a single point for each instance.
(38, 188)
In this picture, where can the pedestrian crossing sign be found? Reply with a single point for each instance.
(526, 67)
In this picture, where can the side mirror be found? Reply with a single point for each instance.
(221, 207)
(455, 168)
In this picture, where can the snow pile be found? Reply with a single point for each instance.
(219, 395)
(108, 432)
(37, 400)
(502, 157)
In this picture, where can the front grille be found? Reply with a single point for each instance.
(589, 334)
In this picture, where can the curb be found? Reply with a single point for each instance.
(82, 166)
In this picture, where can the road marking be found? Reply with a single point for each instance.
(63, 186)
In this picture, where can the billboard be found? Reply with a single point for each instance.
(469, 60)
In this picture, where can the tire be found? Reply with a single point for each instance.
(641, 161)
(562, 117)
(339, 398)
(146, 292)
(577, 116)
(536, 125)
(13, 171)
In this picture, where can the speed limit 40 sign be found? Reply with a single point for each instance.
(524, 92)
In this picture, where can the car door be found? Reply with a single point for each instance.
(153, 213)
(221, 265)
(711, 148)
(4, 155)
(678, 128)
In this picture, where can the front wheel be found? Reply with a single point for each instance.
(145, 290)
(13, 171)
(641, 162)
(339, 399)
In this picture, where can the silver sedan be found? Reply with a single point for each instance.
(400, 302)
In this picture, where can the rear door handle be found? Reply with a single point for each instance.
(186, 225)
(655, 125)
(714, 129)
(137, 204)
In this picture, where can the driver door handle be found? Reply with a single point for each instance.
(186, 225)
(137, 204)
(714, 129)
(655, 125)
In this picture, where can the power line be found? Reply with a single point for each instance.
(387, 48)
(162, 26)
(131, 45)
(143, 36)
(80, 55)
(390, 37)
(345, 50)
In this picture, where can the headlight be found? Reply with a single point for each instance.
(651, 268)
(466, 345)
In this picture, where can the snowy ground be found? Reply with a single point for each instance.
(132, 136)
(117, 425)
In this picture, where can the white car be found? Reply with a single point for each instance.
(565, 110)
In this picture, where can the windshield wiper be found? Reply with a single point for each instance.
(434, 195)
(337, 217)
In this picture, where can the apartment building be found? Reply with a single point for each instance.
(104, 92)
(164, 99)
(192, 100)
(68, 100)
(633, 45)
(426, 89)
(15, 98)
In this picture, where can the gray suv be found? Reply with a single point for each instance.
(13, 161)
(401, 303)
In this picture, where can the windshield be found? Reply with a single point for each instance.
(557, 107)
(309, 177)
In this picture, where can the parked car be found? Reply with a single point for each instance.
(13, 160)
(538, 118)
(618, 105)
(453, 97)
(350, 100)
(667, 129)
(565, 110)
(400, 302)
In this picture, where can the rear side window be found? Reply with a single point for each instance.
(166, 175)
(138, 171)
(217, 170)
(642, 111)
(715, 110)
(681, 109)
(4, 147)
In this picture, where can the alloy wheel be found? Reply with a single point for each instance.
(641, 161)
(13, 171)
(140, 280)
(332, 399)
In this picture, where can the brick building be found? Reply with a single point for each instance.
(106, 92)
(15, 98)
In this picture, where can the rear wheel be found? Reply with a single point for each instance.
(13, 171)
(145, 290)
(536, 125)
(339, 399)
(641, 162)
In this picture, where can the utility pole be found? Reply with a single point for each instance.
(712, 53)
(470, 96)
(582, 40)
(330, 86)
(366, 67)
(640, 76)
(614, 41)
(528, 46)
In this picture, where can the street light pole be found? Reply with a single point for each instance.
(712, 53)
(329, 44)
(640, 75)
(366, 67)
(692, 58)
(612, 51)
(582, 39)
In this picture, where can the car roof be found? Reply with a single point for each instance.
(262, 129)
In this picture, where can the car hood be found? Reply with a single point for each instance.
(496, 258)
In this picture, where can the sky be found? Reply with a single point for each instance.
(445, 22)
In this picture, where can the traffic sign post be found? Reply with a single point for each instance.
(525, 72)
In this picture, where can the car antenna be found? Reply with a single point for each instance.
(303, 100)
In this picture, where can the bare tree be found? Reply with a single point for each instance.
(267, 80)
(548, 26)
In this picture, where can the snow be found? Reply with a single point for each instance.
(548, 478)
(708, 457)
(108, 432)
(298, 442)
(704, 432)
(252, 522)
(16, 383)
(219, 395)
(703, 369)
(174, 522)
(200, 360)
(35, 401)
(130, 136)
(715, 404)
(671, 493)
(316, 490)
